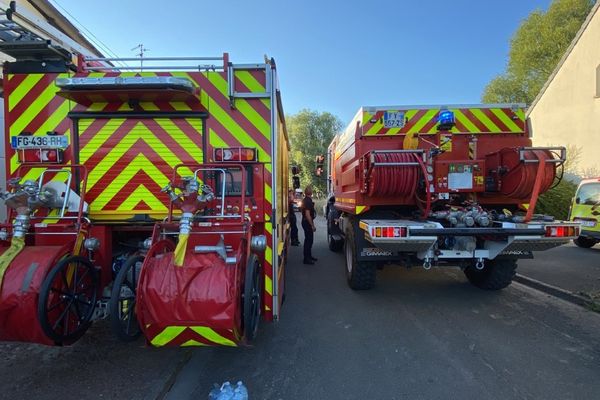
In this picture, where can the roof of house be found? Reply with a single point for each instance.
(565, 56)
(62, 23)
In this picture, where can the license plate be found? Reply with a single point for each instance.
(589, 224)
(35, 142)
(393, 119)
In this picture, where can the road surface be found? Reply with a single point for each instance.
(418, 335)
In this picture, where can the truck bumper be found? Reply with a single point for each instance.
(426, 239)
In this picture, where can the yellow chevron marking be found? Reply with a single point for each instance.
(376, 127)
(50, 124)
(471, 127)
(139, 194)
(236, 131)
(99, 138)
(20, 91)
(139, 131)
(505, 119)
(366, 117)
(180, 106)
(268, 192)
(211, 335)
(485, 120)
(423, 121)
(168, 334)
(215, 140)
(269, 255)
(193, 149)
(254, 86)
(269, 285)
(55, 119)
(243, 107)
(148, 106)
(192, 342)
(250, 82)
(33, 110)
(360, 209)
(139, 163)
(257, 120)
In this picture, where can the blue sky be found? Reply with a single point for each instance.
(332, 55)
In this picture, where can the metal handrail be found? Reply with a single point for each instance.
(562, 158)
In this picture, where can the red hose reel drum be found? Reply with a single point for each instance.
(523, 167)
(393, 180)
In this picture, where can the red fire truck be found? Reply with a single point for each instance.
(153, 194)
(441, 185)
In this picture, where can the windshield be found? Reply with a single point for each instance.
(588, 194)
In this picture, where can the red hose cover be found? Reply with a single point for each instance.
(202, 292)
(391, 181)
(20, 292)
(519, 182)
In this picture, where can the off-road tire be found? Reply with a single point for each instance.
(334, 245)
(584, 243)
(128, 275)
(496, 274)
(360, 275)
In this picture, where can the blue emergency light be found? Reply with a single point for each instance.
(446, 120)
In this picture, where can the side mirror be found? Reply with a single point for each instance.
(577, 200)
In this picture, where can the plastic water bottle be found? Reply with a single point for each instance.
(225, 392)
(240, 392)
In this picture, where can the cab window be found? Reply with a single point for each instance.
(588, 194)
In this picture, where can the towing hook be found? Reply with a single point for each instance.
(479, 264)
(427, 264)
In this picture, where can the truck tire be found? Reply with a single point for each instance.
(584, 242)
(334, 245)
(360, 275)
(496, 275)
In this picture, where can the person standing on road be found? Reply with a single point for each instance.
(292, 219)
(308, 224)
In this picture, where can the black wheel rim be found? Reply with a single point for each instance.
(127, 300)
(69, 299)
(252, 299)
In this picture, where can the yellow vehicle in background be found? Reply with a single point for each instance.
(585, 209)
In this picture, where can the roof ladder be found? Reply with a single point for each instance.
(26, 37)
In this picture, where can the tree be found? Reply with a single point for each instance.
(535, 50)
(310, 133)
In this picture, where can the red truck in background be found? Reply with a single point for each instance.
(441, 185)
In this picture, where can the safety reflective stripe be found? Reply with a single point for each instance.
(193, 342)
(468, 120)
(168, 334)
(211, 335)
(16, 245)
(269, 285)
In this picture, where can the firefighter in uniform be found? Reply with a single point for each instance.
(308, 225)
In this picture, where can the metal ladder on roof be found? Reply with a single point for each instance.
(24, 36)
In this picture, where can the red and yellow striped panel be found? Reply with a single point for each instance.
(33, 107)
(129, 160)
(184, 336)
(474, 120)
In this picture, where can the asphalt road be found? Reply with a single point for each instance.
(568, 267)
(417, 335)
